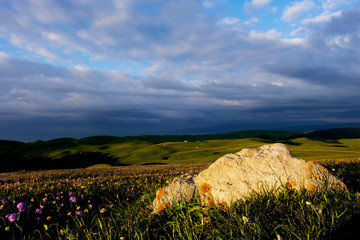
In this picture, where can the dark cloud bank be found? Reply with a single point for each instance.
(199, 77)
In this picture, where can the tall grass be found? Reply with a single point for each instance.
(116, 203)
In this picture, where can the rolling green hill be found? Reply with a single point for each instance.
(170, 149)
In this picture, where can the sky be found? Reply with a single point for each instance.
(78, 68)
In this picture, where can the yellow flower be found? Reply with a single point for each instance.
(90, 206)
(48, 218)
(61, 232)
(46, 227)
(86, 211)
(122, 238)
(32, 200)
(7, 228)
(102, 210)
(1, 207)
(69, 213)
(77, 207)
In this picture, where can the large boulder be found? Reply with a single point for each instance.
(181, 189)
(236, 176)
(268, 168)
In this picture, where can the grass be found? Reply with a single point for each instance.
(115, 203)
(174, 149)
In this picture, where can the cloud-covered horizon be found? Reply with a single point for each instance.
(81, 68)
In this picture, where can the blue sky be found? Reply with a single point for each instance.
(80, 68)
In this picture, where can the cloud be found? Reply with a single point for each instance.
(193, 71)
(331, 4)
(256, 4)
(296, 10)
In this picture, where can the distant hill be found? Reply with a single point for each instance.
(148, 149)
(334, 134)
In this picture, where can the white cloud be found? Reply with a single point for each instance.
(296, 10)
(331, 4)
(323, 17)
(256, 4)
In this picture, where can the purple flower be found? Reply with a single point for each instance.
(82, 195)
(38, 210)
(38, 220)
(21, 206)
(79, 213)
(73, 199)
(4, 201)
(71, 193)
(23, 194)
(12, 217)
(58, 195)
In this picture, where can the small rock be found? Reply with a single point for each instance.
(181, 189)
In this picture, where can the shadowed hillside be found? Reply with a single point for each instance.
(66, 153)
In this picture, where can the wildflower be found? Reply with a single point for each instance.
(244, 219)
(38, 220)
(48, 218)
(12, 217)
(122, 238)
(73, 199)
(4, 201)
(23, 194)
(45, 199)
(38, 210)
(69, 213)
(7, 228)
(46, 227)
(21, 207)
(90, 206)
(86, 210)
(79, 213)
(61, 232)
(58, 195)
(308, 203)
(102, 210)
(77, 207)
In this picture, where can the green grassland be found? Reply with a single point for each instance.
(182, 149)
(100, 201)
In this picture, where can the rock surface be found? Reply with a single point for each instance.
(270, 167)
(236, 176)
(181, 189)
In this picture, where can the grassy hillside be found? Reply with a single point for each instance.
(85, 152)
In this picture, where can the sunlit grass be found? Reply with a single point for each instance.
(116, 203)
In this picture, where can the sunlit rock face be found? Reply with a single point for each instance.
(236, 176)
(270, 167)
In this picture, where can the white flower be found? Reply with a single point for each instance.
(245, 219)
(308, 203)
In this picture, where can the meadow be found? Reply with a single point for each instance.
(103, 201)
(115, 203)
